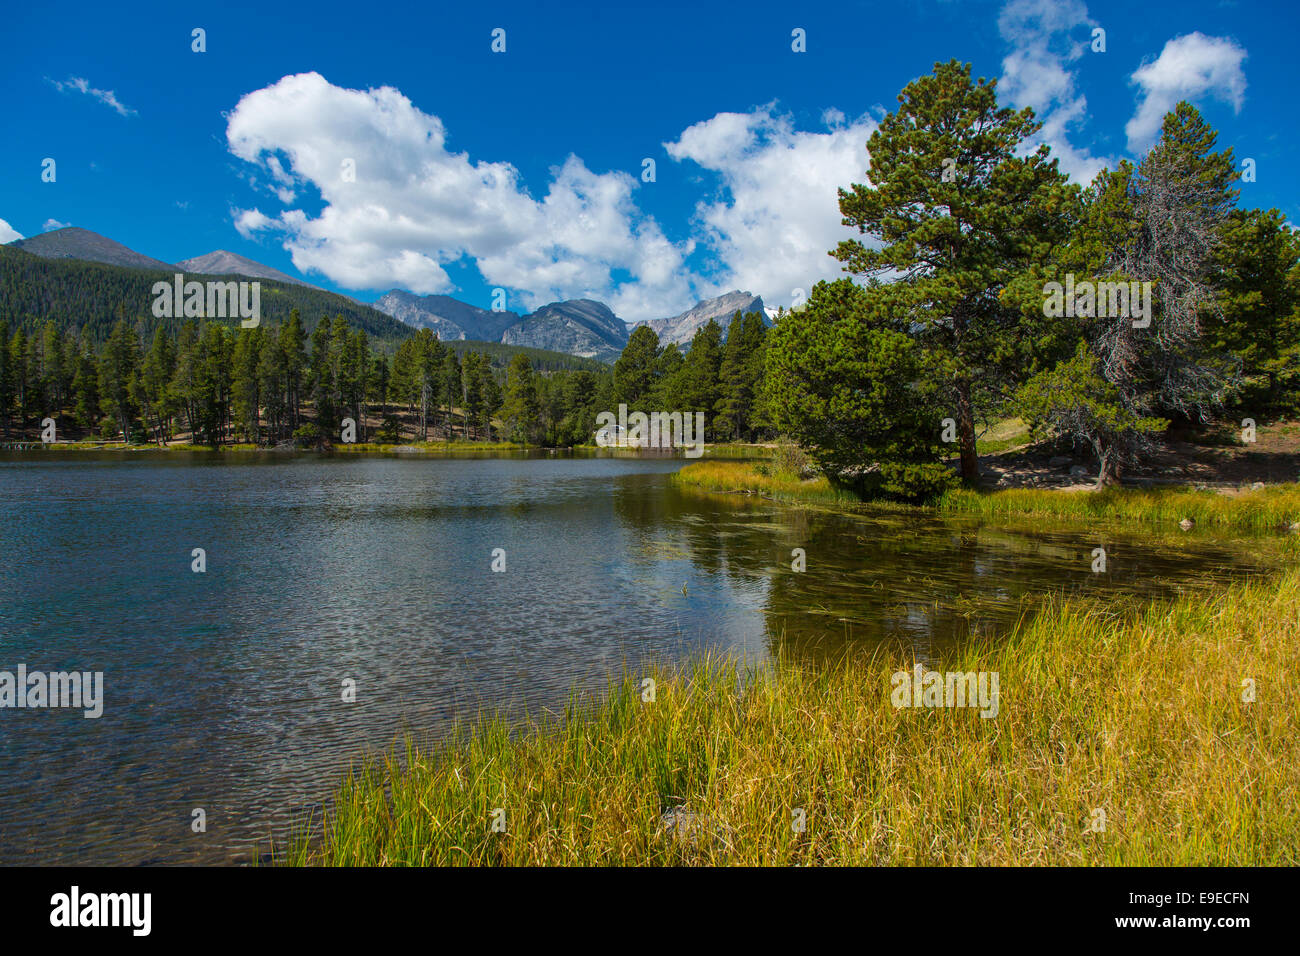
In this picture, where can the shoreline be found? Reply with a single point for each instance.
(1268, 508)
(1163, 717)
(715, 451)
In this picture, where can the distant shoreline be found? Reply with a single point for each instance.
(432, 448)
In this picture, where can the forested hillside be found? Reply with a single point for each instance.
(91, 296)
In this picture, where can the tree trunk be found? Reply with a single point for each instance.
(1108, 469)
(970, 465)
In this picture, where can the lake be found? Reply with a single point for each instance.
(224, 690)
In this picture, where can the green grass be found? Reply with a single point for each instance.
(743, 477)
(1275, 507)
(1270, 508)
(1138, 713)
(432, 447)
(354, 448)
(1003, 436)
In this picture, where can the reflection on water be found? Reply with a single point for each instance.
(223, 690)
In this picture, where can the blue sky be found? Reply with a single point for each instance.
(523, 170)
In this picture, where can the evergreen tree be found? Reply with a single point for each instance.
(957, 213)
(53, 384)
(6, 378)
(637, 370)
(18, 364)
(740, 377)
(294, 362)
(379, 383)
(492, 399)
(117, 370)
(246, 383)
(85, 387)
(451, 385)
(696, 383)
(1257, 261)
(845, 380)
(273, 385)
(1160, 222)
(321, 375)
(473, 370)
(151, 390)
(521, 411)
(185, 379)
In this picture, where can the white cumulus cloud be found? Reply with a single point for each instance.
(1047, 37)
(399, 206)
(777, 217)
(1188, 67)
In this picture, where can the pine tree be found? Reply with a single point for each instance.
(117, 370)
(151, 389)
(521, 410)
(85, 388)
(6, 378)
(246, 383)
(492, 399)
(292, 341)
(636, 371)
(740, 377)
(697, 385)
(18, 361)
(844, 379)
(957, 214)
(1257, 261)
(451, 385)
(1162, 223)
(320, 374)
(473, 372)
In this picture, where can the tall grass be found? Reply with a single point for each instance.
(1269, 508)
(734, 477)
(1139, 714)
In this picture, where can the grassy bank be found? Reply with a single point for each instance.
(1141, 717)
(1275, 507)
(239, 447)
(754, 478)
(725, 450)
(1270, 508)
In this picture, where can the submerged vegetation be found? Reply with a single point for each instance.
(1161, 736)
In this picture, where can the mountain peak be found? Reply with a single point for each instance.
(221, 263)
(582, 327)
(680, 329)
(73, 242)
(449, 318)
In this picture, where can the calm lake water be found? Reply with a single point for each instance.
(223, 690)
